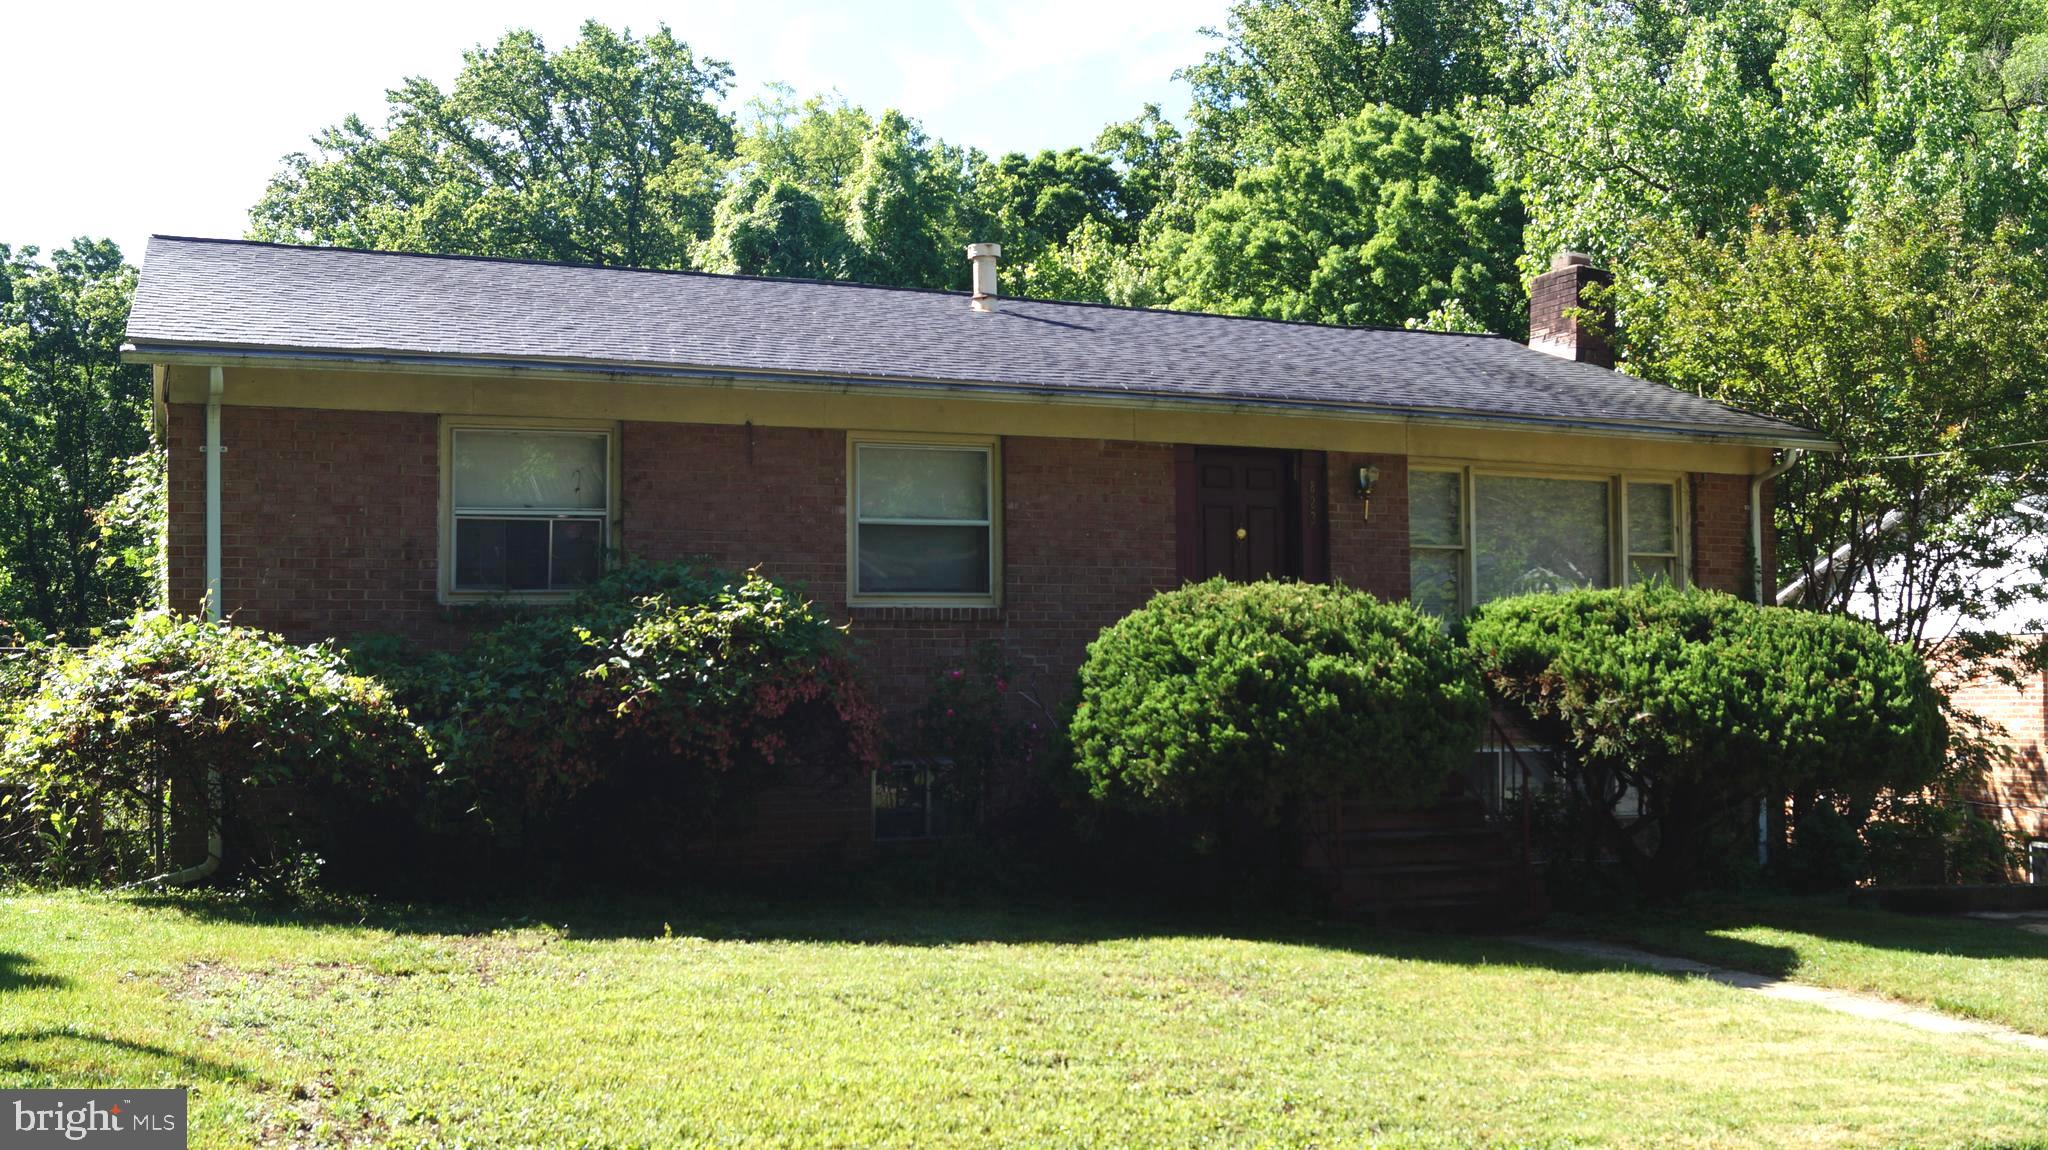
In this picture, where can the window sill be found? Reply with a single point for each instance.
(913, 609)
(505, 598)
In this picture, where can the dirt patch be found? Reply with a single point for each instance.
(207, 981)
(489, 956)
(309, 1117)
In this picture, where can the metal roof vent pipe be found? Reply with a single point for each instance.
(983, 257)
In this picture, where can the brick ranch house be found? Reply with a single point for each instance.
(387, 440)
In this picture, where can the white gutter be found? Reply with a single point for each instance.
(1756, 522)
(204, 869)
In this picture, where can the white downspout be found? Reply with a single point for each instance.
(1756, 522)
(1763, 598)
(214, 386)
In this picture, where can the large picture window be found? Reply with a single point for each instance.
(923, 521)
(1538, 534)
(1476, 535)
(530, 508)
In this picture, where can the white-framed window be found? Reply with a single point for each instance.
(1652, 516)
(529, 509)
(922, 523)
(1476, 533)
(1436, 541)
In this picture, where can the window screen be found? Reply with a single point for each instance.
(922, 519)
(530, 508)
(1652, 532)
(1436, 541)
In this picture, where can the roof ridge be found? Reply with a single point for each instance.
(697, 274)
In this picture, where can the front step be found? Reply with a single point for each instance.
(1445, 865)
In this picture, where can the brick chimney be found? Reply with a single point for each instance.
(1554, 297)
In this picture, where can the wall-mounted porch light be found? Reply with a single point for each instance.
(1368, 477)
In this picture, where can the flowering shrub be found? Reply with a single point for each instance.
(114, 728)
(670, 678)
(976, 729)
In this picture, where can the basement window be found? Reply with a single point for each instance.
(530, 509)
(922, 523)
(910, 801)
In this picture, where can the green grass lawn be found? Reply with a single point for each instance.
(722, 1024)
(1985, 970)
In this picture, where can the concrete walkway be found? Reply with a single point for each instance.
(2031, 921)
(1840, 1001)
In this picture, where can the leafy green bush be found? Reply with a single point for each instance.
(110, 732)
(1700, 703)
(667, 687)
(1935, 839)
(976, 732)
(1262, 695)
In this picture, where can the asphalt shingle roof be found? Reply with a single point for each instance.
(235, 296)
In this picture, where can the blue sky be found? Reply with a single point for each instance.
(125, 120)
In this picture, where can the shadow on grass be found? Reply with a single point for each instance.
(895, 921)
(17, 972)
(1695, 932)
(52, 1051)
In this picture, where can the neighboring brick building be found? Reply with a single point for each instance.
(405, 437)
(2016, 793)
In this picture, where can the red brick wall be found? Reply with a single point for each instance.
(2018, 789)
(330, 528)
(1720, 533)
(1087, 535)
(1369, 554)
(738, 496)
(328, 519)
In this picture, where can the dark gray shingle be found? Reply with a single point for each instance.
(232, 295)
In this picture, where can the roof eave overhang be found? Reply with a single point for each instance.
(211, 355)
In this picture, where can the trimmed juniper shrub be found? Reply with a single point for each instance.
(1700, 704)
(1259, 696)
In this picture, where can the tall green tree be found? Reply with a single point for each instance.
(772, 227)
(1386, 218)
(80, 492)
(608, 151)
(907, 211)
(823, 188)
(1693, 116)
(1033, 203)
(1286, 71)
(815, 144)
(1916, 344)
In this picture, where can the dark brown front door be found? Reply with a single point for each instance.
(1241, 515)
